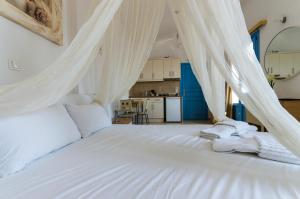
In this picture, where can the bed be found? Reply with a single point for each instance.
(153, 161)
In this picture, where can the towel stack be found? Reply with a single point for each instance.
(226, 129)
(270, 148)
(263, 144)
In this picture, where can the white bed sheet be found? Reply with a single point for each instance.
(150, 162)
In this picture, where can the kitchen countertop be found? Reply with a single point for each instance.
(154, 97)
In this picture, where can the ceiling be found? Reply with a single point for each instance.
(168, 43)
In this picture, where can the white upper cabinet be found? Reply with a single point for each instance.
(267, 64)
(296, 63)
(146, 74)
(286, 64)
(274, 64)
(167, 67)
(158, 70)
(176, 64)
(172, 69)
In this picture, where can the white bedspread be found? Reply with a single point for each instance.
(156, 162)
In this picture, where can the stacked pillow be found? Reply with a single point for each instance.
(89, 118)
(26, 138)
(31, 136)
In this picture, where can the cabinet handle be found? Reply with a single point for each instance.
(153, 76)
(293, 70)
(142, 76)
(271, 70)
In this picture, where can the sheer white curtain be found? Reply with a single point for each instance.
(225, 19)
(65, 73)
(211, 81)
(215, 25)
(127, 46)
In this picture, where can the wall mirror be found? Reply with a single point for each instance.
(282, 58)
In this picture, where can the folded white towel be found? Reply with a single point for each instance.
(217, 132)
(235, 144)
(226, 129)
(238, 125)
(270, 148)
(249, 128)
(250, 134)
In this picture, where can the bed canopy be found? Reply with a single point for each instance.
(215, 39)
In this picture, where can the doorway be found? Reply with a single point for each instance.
(194, 104)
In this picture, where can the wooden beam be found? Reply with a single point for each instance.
(260, 24)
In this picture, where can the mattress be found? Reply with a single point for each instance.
(126, 161)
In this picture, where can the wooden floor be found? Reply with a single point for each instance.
(184, 122)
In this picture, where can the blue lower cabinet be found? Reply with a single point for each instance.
(239, 112)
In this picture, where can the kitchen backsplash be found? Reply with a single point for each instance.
(165, 87)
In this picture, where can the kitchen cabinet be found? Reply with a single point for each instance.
(146, 74)
(296, 65)
(267, 64)
(172, 69)
(274, 67)
(153, 71)
(285, 64)
(156, 108)
(157, 70)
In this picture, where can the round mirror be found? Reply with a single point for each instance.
(282, 58)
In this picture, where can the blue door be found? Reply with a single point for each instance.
(194, 104)
(239, 110)
(256, 43)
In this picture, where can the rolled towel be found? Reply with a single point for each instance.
(235, 144)
(270, 148)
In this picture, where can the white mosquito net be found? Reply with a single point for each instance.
(124, 31)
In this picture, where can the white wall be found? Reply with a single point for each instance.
(273, 10)
(29, 50)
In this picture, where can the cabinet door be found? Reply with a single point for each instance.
(149, 107)
(146, 74)
(157, 110)
(296, 63)
(274, 64)
(158, 70)
(176, 71)
(167, 67)
(286, 64)
(267, 64)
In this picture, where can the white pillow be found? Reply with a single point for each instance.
(29, 137)
(76, 99)
(89, 118)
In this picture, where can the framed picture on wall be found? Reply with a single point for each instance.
(43, 17)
